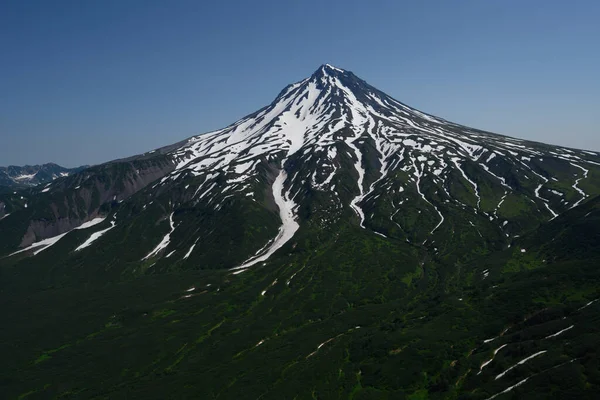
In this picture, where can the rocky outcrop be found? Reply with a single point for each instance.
(79, 198)
(39, 230)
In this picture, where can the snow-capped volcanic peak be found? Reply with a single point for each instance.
(333, 106)
(306, 114)
(297, 117)
(334, 113)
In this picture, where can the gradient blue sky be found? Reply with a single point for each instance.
(82, 82)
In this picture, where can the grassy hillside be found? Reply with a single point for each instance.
(353, 315)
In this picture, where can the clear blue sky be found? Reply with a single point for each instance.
(82, 82)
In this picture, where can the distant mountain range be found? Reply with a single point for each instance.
(32, 175)
(336, 243)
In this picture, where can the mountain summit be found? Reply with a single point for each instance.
(336, 243)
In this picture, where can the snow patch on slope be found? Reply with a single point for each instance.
(95, 236)
(46, 243)
(164, 242)
(288, 227)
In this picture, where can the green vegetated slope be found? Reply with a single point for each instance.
(353, 315)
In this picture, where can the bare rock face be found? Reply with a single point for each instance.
(39, 230)
(85, 193)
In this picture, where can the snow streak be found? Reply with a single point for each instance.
(164, 242)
